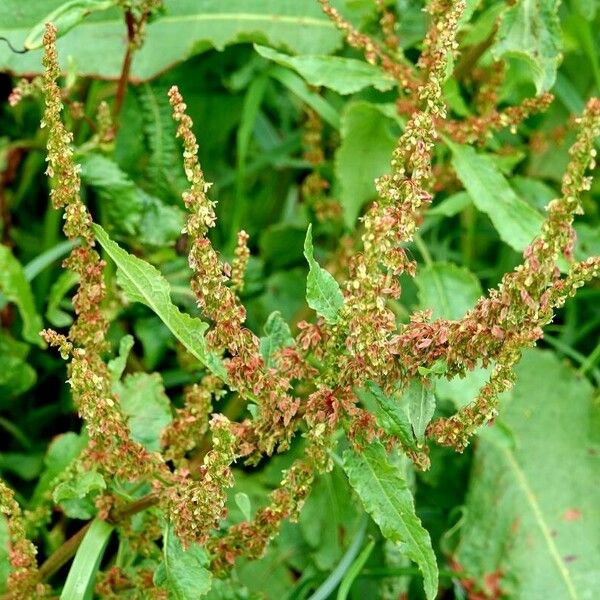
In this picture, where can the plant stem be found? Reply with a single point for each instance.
(65, 552)
(124, 78)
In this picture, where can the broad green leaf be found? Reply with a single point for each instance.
(516, 222)
(391, 413)
(116, 366)
(25, 466)
(63, 450)
(533, 506)
(421, 406)
(16, 375)
(54, 313)
(451, 206)
(15, 288)
(156, 339)
(129, 209)
(298, 87)
(447, 289)
(143, 400)
(535, 192)
(82, 574)
(185, 28)
(65, 17)
(76, 496)
(323, 292)
(143, 283)
(342, 75)
(183, 573)
(386, 497)
(363, 126)
(326, 512)
(243, 503)
(462, 390)
(281, 245)
(530, 30)
(277, 336)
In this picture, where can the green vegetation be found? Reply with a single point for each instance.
(299, 299)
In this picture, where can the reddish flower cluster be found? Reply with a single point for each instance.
(309, 386)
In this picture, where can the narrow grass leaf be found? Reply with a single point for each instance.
(81, 579)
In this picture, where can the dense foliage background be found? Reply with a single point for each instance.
(517, 515)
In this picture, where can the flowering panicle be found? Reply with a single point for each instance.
(191, 422)
(23, 580)
(391, 221)
(250, 539)
(139, 11)
(197, 506)
(374, 53)
(315, 186)
(110, 445)
(311, 384)
(240, 263)
(24, 89)
(513, 316)
(387, 21)
(218, 301)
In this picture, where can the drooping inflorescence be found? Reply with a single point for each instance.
(307, 390)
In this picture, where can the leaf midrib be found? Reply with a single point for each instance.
(539, 518)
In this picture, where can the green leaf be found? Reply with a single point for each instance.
(65, 17)
(77, 495)
(449, 290)
(281, 245)
(25, 466)
(63, 450)
(386, 497)
(116, 366)
(182, 572)
(354, 571)
(15, 287)
(533, 506)
(516, 222)
(342, 75)
(452, 205)
(323, 292)
(390, 411)
(183, 29)
(530, 30)
(164, 169)
(243, 503)
(143, 400)
(298, 87)
(277, 336)
(363, 126)
(325, 513)
(421, 406)
(82, 574)
(54, 313)
(16, 375)
(143, 283)
(129, 209)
